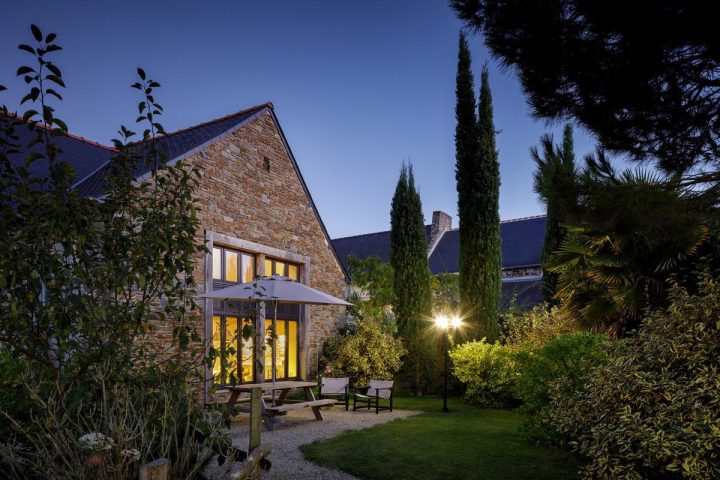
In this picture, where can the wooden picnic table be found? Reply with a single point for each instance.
(281, 405)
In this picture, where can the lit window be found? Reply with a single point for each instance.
(293, 272)
(217, 263)
(248, 268)
(231, 266)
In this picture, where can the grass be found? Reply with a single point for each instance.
(466, 443)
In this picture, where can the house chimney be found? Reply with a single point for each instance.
(441, 222)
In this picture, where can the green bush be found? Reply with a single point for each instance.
(369, 352)
(560, 367)
(488, 372)
(535, 326)
(652, 411)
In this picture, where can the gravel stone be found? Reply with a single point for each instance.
(299, 427)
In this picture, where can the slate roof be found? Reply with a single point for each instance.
(363, 246)
(175, 146)
(83, 155)
(91, 160)
(521, 239)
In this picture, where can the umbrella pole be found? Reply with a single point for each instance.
(274, 349)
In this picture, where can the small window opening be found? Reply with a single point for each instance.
(266, 164)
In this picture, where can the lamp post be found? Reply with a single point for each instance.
(448, 326)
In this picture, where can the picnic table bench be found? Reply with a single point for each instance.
(282, 404)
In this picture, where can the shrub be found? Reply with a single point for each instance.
(488, 372)
(561, 367)
(370, 352)
(652, 411)
(535, 326)
(82, 283)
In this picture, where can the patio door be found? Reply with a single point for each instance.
(229, 318)
(286, 342)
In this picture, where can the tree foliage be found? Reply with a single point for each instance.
(82, 285)
(478, 183)
(413, 298)
(631, 231)
(559, 367)
(369, 352)
(554, 182)
(488, 372)
(651, 93)
(373, 289)
(651, 411)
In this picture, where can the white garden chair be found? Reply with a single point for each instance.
(336, 388)
(379, 390)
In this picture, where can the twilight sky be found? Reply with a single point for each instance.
(358, 88)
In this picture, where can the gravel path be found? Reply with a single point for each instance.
(298, 428)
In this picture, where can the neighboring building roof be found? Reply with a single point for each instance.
(363, 246)
(521, 239)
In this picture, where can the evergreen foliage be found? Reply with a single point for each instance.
(478, 184)
(413, 298)
(554, 182)
(651, 95)
(631, 232)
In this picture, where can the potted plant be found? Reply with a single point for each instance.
(97, 445)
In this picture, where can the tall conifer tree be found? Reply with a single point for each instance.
(413, 297)
(478, 183)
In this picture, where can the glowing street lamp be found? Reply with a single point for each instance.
(448, 326)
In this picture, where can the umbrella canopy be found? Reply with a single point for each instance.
(275, 288)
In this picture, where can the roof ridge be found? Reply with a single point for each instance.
(518, 219)
(113, 149)
(67, 134)
(510, 220)
(267, 104)
(371, 233)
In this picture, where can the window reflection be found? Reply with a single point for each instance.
(231, 266)
(217, 263)
(293, 272)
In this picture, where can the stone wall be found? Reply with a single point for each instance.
(251, 191)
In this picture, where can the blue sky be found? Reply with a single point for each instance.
(358, 87)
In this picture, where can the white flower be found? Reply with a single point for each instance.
(131, 454)
(96, 442)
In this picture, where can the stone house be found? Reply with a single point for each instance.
(522, 242)
(257, 218)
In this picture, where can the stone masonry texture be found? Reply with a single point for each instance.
(237, 196)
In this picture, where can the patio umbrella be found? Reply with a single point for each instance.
(276, 289)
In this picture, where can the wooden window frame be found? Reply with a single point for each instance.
(260, 251)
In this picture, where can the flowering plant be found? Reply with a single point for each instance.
(328, 369)
(131, 454)
(96, 442)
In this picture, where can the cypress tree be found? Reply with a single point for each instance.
(554, 182)
(478, 183)
(411, 282)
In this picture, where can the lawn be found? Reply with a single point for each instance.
(466, 443)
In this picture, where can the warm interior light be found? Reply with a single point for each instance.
(442, 322)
